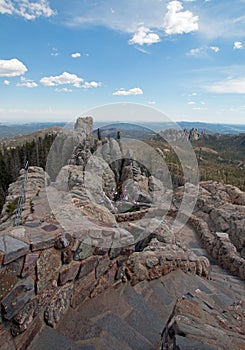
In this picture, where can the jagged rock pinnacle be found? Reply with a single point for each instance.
(84, 125)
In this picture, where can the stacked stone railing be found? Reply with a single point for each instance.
(137, 215)
(219, 246)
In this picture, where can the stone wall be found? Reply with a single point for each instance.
(218, 219)
(219, 246)
(152, 212)
(40, 280)
(137, 215)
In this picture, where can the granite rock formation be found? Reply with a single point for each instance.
(84, 125)
(72, 245)
(197, 323)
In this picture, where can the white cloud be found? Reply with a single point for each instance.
(12, 68)
(126, 18)
(6, 82)
(63, 79)
(228, 86)
(28, 9)
(144, 36)
(76, 55)
(200, 51)
(91, 84)
(152, 103)
(54, 52)
(68, 79)
(214, 48)
(217, 19)
(6, 7)
(195, 52)
(237, 45)
(177, 21)
(63, 90)
(123, 92)
(27, 83)
(191, 103)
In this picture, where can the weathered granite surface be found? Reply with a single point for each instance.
(84, 124)
(198, 323)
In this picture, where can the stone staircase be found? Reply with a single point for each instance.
(132, 318)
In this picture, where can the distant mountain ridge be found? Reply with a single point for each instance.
(210, 128)
(11, 130)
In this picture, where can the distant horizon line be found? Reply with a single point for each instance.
(6, 123)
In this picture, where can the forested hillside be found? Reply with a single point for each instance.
(220, 158)
(12, 159)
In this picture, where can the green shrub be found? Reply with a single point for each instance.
(12, 206)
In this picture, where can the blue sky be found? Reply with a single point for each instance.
(58, 59)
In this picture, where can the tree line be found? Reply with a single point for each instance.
(12, 159)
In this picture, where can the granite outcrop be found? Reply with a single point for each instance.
(85, 232)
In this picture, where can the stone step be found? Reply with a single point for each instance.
(110, 300)
(131, 318)
(51, 339)
(118, 317)
(141, 306)
(156, 297)
(124, 333)
(79, 327)
(140, 322)
(106, 342)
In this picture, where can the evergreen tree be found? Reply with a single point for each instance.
(99, 134)
(13, 159)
